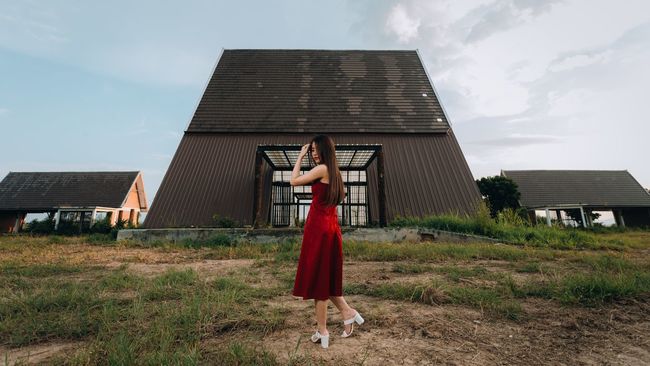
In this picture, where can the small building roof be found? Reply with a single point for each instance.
(44, 191)
(319, 91)
(591, 188)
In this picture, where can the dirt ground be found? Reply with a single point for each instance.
(397, 332)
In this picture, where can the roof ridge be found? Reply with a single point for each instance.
(564, 170)
(79, 171)
(321, 49)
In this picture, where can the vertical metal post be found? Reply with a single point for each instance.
(57, 218)
(17, 223)
(381, 187)
(590, 221)
(548, 217)
(257, 193)
(620, 213)
(584, 218)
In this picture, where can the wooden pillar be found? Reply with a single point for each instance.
(258, 191)
(381, 187)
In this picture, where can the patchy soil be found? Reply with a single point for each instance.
(35, 354)
(110, 256)
(207, 269)
(398, 333)
(395, 332)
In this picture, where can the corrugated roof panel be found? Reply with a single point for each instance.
(315, 91)
(47, 190)
(596, 188)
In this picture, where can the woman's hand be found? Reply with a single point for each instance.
(303, 151)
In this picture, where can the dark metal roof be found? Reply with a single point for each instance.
(319, 91)
(595, 188)
(47, 190)
(215, 173)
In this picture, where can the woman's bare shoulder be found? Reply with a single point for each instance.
(321, 169)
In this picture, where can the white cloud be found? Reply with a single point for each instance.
(403, 25)
(152, 48)
(580, 60)
(518, 139)
(570, 102)
(532, 84)
(28, 31)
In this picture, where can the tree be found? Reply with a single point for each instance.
(500, 193)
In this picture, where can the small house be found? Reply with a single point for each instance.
(78, 197)
(584, 192)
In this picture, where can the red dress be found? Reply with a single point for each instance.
(320, 267)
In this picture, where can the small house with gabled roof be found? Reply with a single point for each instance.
(81, 197)
(584, 191)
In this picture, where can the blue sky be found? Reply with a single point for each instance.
(89, 85)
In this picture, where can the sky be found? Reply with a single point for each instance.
(527, 84)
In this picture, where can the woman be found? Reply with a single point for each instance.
(320, 267)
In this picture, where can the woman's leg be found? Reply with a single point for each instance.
(321, 316)
(346, 311)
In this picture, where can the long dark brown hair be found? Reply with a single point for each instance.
(335, 192)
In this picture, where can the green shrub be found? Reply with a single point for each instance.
(67, 227)
(119, 225)
(45, 226)
(101, 227)
(511, 217)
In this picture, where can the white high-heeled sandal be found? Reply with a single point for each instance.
(324, 340)
(357, 318)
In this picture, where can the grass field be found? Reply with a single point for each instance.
(89, 300)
